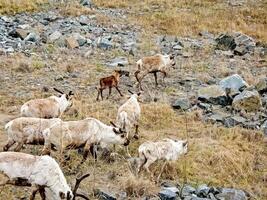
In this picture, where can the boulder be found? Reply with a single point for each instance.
(261, 86)
(248, 100)
(233, 82)
(181, 103)
(118, 62)
(54, 36)
(212, 94)
(72, 42)
(231, 194)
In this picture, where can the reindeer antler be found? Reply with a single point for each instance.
(57, 90)
(76, 186)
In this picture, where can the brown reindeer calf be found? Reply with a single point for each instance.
(110, 82)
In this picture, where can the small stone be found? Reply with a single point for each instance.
(203, 191)
(233, 194)
(264, 128)
(104, 43)
(19, 33)
(59, 78)
(118, 62)
(32, 37)
(80, 39)
(182, 104)
(54, 36)
(261, 86)
(72, 42)
(233, 121)
(103, 195)
(188, 190)
(167, 195)
(86, 3)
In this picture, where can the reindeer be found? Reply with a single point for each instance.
(110, 82)
(167, 149)
(50, 107)
(42, 172)
(153, 64)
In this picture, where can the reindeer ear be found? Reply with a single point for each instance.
(71, 93)
(112, 123)
(115, 131)
(185, 143)
(61, 195)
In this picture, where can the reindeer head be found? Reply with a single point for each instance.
(67, 96)
(122, 72)
(136, 95)
(121, 132)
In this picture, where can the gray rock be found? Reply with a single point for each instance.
(212, 94)
(103, 195)
(264, 127)
(32, 37)
(231, 194)
(181, 103)
(177, 47)
(86, 3)
(248, 100)
(233, 121)
(118, 62)
(18, 33)
(233, 82)
(105, 43)
(187, 190)
(203, 191)
(261, 86)
(80, 39)
(225, 42)
(252, 125)
(244, 44)
(59, 78)
(166, 194)
(54, 36)
(205, 106)
(214, 118)
(84, 20)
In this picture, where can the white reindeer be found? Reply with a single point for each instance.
(167, 149)
(50, 107)
(84, 133)
(26, 130)
(42, 172)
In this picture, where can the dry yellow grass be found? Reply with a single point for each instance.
(16, 6)
(182, 17)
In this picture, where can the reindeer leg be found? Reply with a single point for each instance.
(34, 192)
(93, 152)
(19, 146)
(109, 92)
(42, 193)
(136, 135)
(161, 171)
(164, 76)
(156, 78)
(148, 163)
(8, 145)
(98, 93)
(119, 91)
(101, 92)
